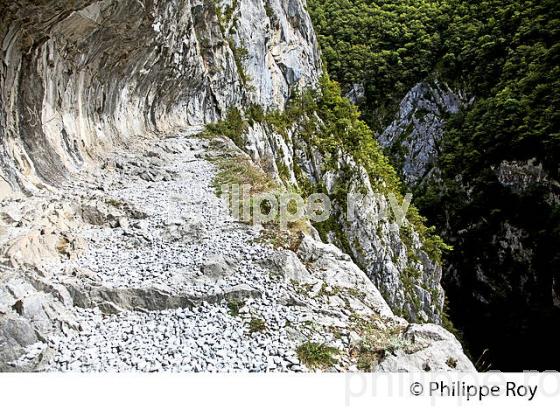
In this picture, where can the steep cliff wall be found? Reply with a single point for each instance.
(78, 77)
(499, 215)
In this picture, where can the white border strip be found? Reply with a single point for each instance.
(286, 392)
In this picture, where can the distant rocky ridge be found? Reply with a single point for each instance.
(414, 136)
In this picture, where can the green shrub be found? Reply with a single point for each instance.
(233, 127)
(234, 306)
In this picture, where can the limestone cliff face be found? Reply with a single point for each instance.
(80, 76)
(418, 127)
(372, 238)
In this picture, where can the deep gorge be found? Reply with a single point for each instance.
(464, 96)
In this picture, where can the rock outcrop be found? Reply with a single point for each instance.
(414, 135)
(387, 253)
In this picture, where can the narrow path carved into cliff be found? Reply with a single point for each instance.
(169, 281)
(190, 250)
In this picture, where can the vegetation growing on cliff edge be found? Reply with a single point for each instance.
(232, 126)
(237, 169)
(330, 123)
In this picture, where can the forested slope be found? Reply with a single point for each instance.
(493, 191)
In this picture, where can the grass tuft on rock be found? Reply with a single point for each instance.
(257, 325)
(237, 169)
(317, 355)
(234, 306)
